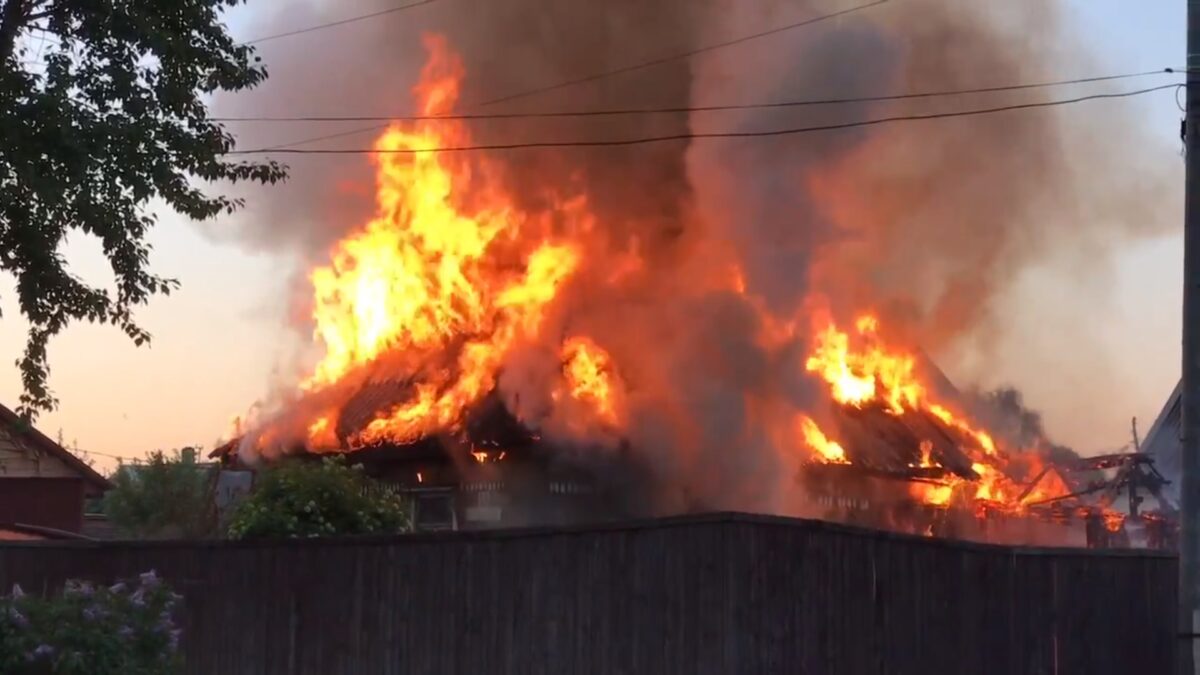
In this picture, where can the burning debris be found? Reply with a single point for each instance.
(475, 326)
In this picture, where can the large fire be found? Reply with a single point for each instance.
(861, 370)
(443, 282)
(454, 275)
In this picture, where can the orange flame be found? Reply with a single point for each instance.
(588, 372)
(934, 494)
(830, 452)
(861, 370)
(1113, 521)
(447, 256)
(872, 374)
(452, 275)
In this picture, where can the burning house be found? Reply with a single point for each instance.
(526, 337)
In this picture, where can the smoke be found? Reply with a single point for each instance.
(508, 48)
(926, 222)
(1004, 413)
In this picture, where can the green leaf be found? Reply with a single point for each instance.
(114, 121)
(306, 498)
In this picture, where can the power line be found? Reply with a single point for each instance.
(616, 71)
(701, 135)
(342, 22)
(683, 55)
(341, 134)
(704, 108)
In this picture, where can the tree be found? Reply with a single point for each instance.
(302, 498)
(102, 112)
(165, 498)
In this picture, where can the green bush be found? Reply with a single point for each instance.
(299, 498)
(123, 629)
(168, 497)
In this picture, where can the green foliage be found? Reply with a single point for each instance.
(123, 629)
(102, 111)
(299, 498)
(165, 498)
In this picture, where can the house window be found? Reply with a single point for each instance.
(434, 512)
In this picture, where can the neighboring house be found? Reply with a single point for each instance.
(225, 489)
(42, 485)
(1163, 444)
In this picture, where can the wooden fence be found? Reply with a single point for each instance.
(706, 594)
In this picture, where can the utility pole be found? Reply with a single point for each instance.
(1189, 432)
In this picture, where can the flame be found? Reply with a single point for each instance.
(830, 452)
(872, 374)
(321, 433)
(934, 494)
(927, 461)
(448, 272)
(588, 372)
(1113, 521)
(1049, 486)
(861, 370)
(453, 274)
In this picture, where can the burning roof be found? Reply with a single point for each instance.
(467, 309)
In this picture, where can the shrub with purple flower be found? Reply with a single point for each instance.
(125, 628)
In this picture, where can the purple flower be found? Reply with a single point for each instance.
(18, 618)
(17, 592)
(77, 588)
(41, 651)
(125, 631)
(118, 587)
(138, 598)
(149, 579)
(173, 640)
(90, 613)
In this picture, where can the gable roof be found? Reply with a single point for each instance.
(13, 422)
(1163, 444)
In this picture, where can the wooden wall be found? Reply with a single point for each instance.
(46, 502)
(19, 460)
(715, 594)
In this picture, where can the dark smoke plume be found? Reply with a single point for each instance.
(1003, 411)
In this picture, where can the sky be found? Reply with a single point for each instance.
(219, 341)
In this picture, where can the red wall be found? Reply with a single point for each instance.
(48, 502)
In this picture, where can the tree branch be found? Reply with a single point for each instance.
(44, 14)
(12, 17)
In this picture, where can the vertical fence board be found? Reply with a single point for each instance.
(723, 593)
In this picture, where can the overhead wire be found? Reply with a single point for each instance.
(341, 22)
(711, 135)
(699, 108)
(609, 73)
(682, 55)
